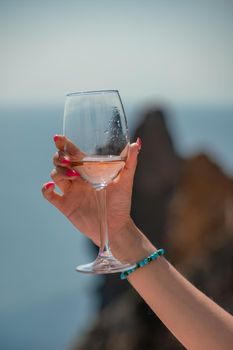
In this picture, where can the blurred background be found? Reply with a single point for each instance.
(172, 63)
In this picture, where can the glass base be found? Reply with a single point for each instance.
(104, 263)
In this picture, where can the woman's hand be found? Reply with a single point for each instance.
(78, 202)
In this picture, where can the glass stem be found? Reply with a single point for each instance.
(104, 250)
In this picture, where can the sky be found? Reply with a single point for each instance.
(180, 51)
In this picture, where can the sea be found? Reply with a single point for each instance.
(44, 303)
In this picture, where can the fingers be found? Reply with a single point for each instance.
(62, 177)
(61, 159)
(61, 173)
(52, 196)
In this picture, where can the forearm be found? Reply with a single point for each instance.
(195, 320)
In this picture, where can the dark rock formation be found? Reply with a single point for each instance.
(156, 177)
(185, 206)
(201, 211)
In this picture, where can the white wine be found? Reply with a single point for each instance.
(99, 170)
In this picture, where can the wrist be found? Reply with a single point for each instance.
(130, 244)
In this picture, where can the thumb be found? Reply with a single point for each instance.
(52, 196)
(131, 162)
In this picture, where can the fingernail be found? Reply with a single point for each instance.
(65, 160)
(72, 172)
(139, 142)
(48, 185)
(56, 137)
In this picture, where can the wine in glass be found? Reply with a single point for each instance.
(95, 122)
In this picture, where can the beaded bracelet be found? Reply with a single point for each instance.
(142, 263)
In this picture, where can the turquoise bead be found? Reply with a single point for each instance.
(142, 263)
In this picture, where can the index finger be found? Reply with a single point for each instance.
(64, 144)
(59, 142)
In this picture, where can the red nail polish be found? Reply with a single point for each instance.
(139, 142)
(72, 172)
(56, 137)
(48, 185)
(65, 160)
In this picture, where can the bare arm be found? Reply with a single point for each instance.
(195, 320)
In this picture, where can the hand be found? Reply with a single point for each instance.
(77, 201)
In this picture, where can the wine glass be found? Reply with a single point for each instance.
(95, 122)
